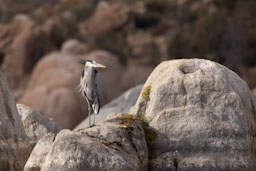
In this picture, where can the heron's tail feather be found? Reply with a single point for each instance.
(96, 108)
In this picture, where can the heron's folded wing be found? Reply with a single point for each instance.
(99, 87)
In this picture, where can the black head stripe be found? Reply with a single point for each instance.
(89, 60)
(83, 74)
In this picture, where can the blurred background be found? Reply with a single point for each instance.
(42, 40)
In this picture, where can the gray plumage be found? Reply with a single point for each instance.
(91, 88)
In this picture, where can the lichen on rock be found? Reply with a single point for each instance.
(146, 92)
(150, 134)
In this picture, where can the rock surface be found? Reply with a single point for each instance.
(115, 144)
(14, 143)
(121, 104)
(135, 75)
(203, 114)
(23, 43)
(249, 76)
(74, 47)
(105, 20)
(35, 124)
(254, 91)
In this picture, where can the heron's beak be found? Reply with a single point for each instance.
(99, 65)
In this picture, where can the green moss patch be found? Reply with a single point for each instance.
(146, 92)
(128, 119)
(150, 135)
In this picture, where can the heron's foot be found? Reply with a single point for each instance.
(92, 125)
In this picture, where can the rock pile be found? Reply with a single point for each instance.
(191, 115)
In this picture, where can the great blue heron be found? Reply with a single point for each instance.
(91, 88)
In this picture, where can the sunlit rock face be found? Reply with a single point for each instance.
(204, 116)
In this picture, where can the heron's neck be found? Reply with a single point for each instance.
(90, 73)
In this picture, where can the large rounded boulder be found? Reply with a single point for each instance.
(203, 114)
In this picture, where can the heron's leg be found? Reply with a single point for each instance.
(90, 120)
(89, 117)
(89, 111)
(93, 119)
(89, 114)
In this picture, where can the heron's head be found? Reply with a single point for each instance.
(92, 63)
